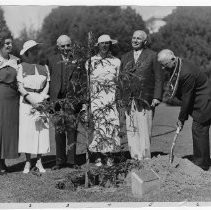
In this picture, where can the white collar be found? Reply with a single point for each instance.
(11, 62)
(64, 58)
(137, 51)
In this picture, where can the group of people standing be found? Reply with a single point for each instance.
(25, 84)
(22, 86)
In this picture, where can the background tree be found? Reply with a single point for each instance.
(4, 28)
(3, 25)
(25, 35)
(77, 21)
(188, 33)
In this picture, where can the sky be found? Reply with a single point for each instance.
(18, 17)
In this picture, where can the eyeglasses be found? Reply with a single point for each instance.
(66, 45)
(8, 43)
(107, 43)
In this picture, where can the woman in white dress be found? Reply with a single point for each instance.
(104, 71)
(33, 80)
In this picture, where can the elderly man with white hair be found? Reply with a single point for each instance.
(192, 87)
(63, 76)
(140, 91)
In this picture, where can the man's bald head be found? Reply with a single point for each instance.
(138, 39)
(64, 44)
(166, 58)
(63, 39)
(141, 34)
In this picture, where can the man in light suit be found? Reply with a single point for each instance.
(193, 88)
(140, 91)
(63, 76)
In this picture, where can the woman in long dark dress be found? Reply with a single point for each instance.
(9, 102)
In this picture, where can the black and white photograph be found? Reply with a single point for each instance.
(104, 105)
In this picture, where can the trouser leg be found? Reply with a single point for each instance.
(71, 144)
(60, 138)
(139, 126)
(2, 162)
(201, 146)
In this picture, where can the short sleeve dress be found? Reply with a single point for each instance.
(9, 109)
(33, 133)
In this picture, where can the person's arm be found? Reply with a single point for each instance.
(21, 88)
(158, 76)
(26, 95)
(44, 92)
(118, 96)
(187, 85)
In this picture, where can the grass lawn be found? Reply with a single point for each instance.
(19, 187)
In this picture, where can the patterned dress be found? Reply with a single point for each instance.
(106, 120)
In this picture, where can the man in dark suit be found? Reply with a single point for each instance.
(64, 76)
(192, 87)
(140, 90)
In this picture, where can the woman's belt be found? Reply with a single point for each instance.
(12, 85)
(33, 90)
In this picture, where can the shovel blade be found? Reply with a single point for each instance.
(171, 158)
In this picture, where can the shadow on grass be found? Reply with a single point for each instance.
(50, 160)
(189, 157)
(156, 153)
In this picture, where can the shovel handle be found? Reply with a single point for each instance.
(178, 130)
(173, 145)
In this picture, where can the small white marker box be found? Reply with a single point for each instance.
(144, 181)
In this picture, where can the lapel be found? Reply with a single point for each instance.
(70, 70)
(142, 57)
(131, 57)
(57, 66)
(129, 62)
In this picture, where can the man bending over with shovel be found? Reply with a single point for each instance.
(192, 87)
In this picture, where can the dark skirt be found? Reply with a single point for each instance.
(9, 122)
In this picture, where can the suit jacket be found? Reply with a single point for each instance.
(141, 81)
(194, 91)
(76, 79)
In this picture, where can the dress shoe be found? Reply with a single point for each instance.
(110, 162)
(57, 167)
(27, 168)
(74, 166)
(40, 166)
(5, 167)
(2, 172)
(98, 162)
(205, 168)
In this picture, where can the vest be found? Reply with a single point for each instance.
(29, 69)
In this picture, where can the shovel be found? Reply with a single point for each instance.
(171, 156)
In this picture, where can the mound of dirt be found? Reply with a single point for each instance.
(181, 180)
(181, 170)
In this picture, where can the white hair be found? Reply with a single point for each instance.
(62, 38)
(142, 34)
(165, 55)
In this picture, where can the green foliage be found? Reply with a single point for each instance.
(188, 33)
(103, 176)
